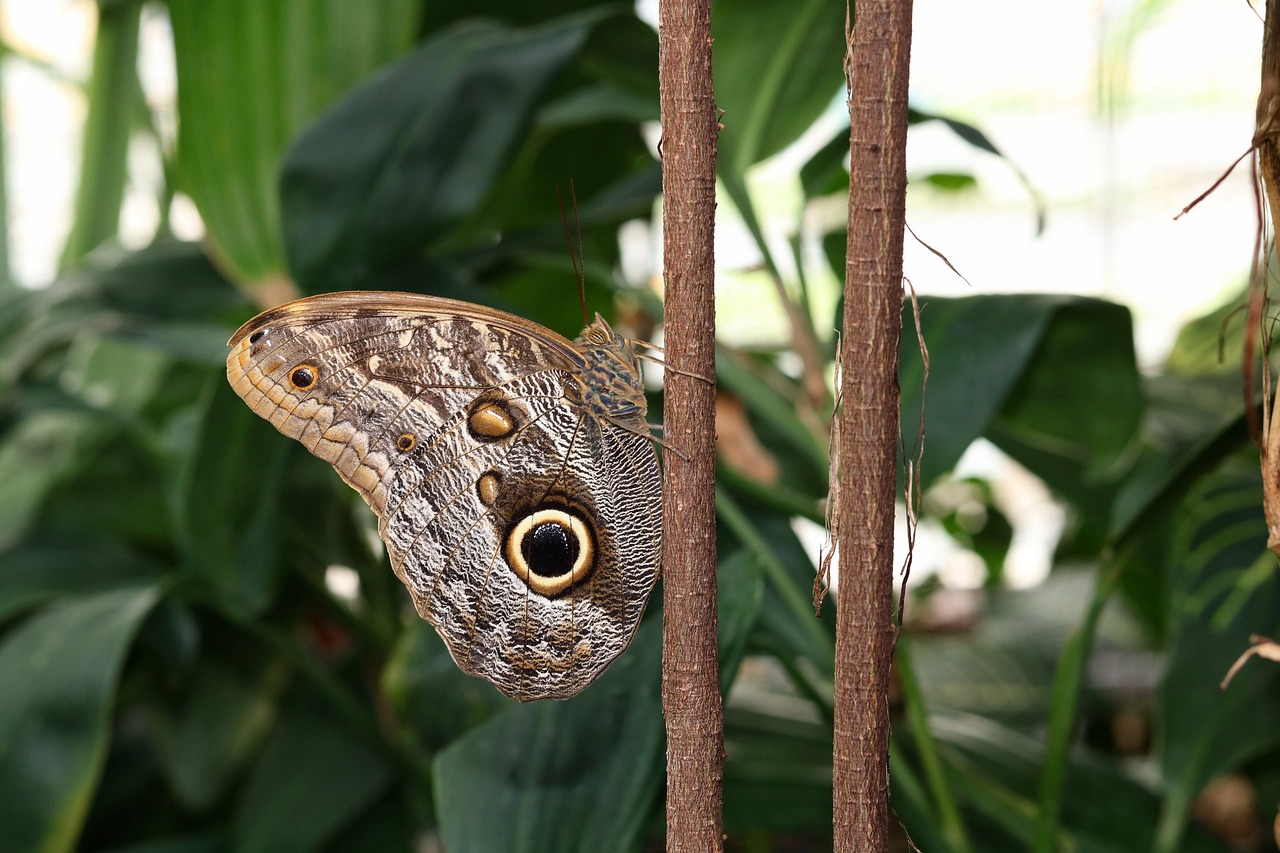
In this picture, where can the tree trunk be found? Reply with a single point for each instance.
(876, 70)
(690, 678)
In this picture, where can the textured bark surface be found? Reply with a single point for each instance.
(1267, 153)
(876, 67)
(690, 675)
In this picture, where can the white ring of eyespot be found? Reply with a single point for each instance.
(556, 584)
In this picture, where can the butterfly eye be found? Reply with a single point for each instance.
(598, 336)
(551, 549)
(302, 377)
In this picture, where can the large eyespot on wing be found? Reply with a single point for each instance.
(537, 560)
(452, 421)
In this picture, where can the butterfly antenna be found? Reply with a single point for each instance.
(579, 264)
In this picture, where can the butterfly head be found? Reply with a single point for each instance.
(611, 377)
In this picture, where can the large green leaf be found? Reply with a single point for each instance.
(1052, 376)
(1080, 397)
(228, 505)
(42, 451)
(1225, 586)
(776, 66)
(40, 569)
(61, 668)
(544, 766)
(411, 152)
(312, 778)
(979, 348)
(206, 737)
(250, 75)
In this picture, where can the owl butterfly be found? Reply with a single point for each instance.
(512, 471)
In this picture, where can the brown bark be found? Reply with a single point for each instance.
(690, 677)
(1267, 154)
(876, 69)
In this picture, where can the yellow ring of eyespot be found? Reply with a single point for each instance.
(302, 386)
(406, 441)
(553, 585)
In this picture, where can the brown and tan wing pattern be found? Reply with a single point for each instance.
(523, 517)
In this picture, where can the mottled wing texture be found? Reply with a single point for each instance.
(456, 423)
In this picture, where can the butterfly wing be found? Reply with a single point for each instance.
(525, 526)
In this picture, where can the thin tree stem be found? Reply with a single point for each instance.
(876, 69)
(690, 677)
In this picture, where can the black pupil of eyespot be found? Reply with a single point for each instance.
(257, 336)
(302, 377)
(550, 549)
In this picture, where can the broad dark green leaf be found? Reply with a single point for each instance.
(544, 767)
(1105, 811)
(1055, 373)
(61, 668)
(412, 151)
(212, 731)
(250, 75)
(228, 498)
(979, 349)
(39, 569)
(1225, 587)
(1080, 397)
(777, 66)
(42, 451)
(436, 701)
(312, 778)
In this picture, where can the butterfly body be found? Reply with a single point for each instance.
(515, 483)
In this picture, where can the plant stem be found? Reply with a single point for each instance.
(877, 61)
(690, 678)
(1062, 714)
(949, 820)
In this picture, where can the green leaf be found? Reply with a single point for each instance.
(1053, 374)
(313, 777)
(43, 568)
(436, 701)
(228, 513)
(979, 348)
(777, 67)
(114, 100)
(54, 728)
(1225, 587)
(411, 152)
(250, 76)
(1081, 397)
(211, 733)
(949, 181)
(543, 766)
(44, 450)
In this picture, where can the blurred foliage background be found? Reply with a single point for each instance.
(202, 645)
